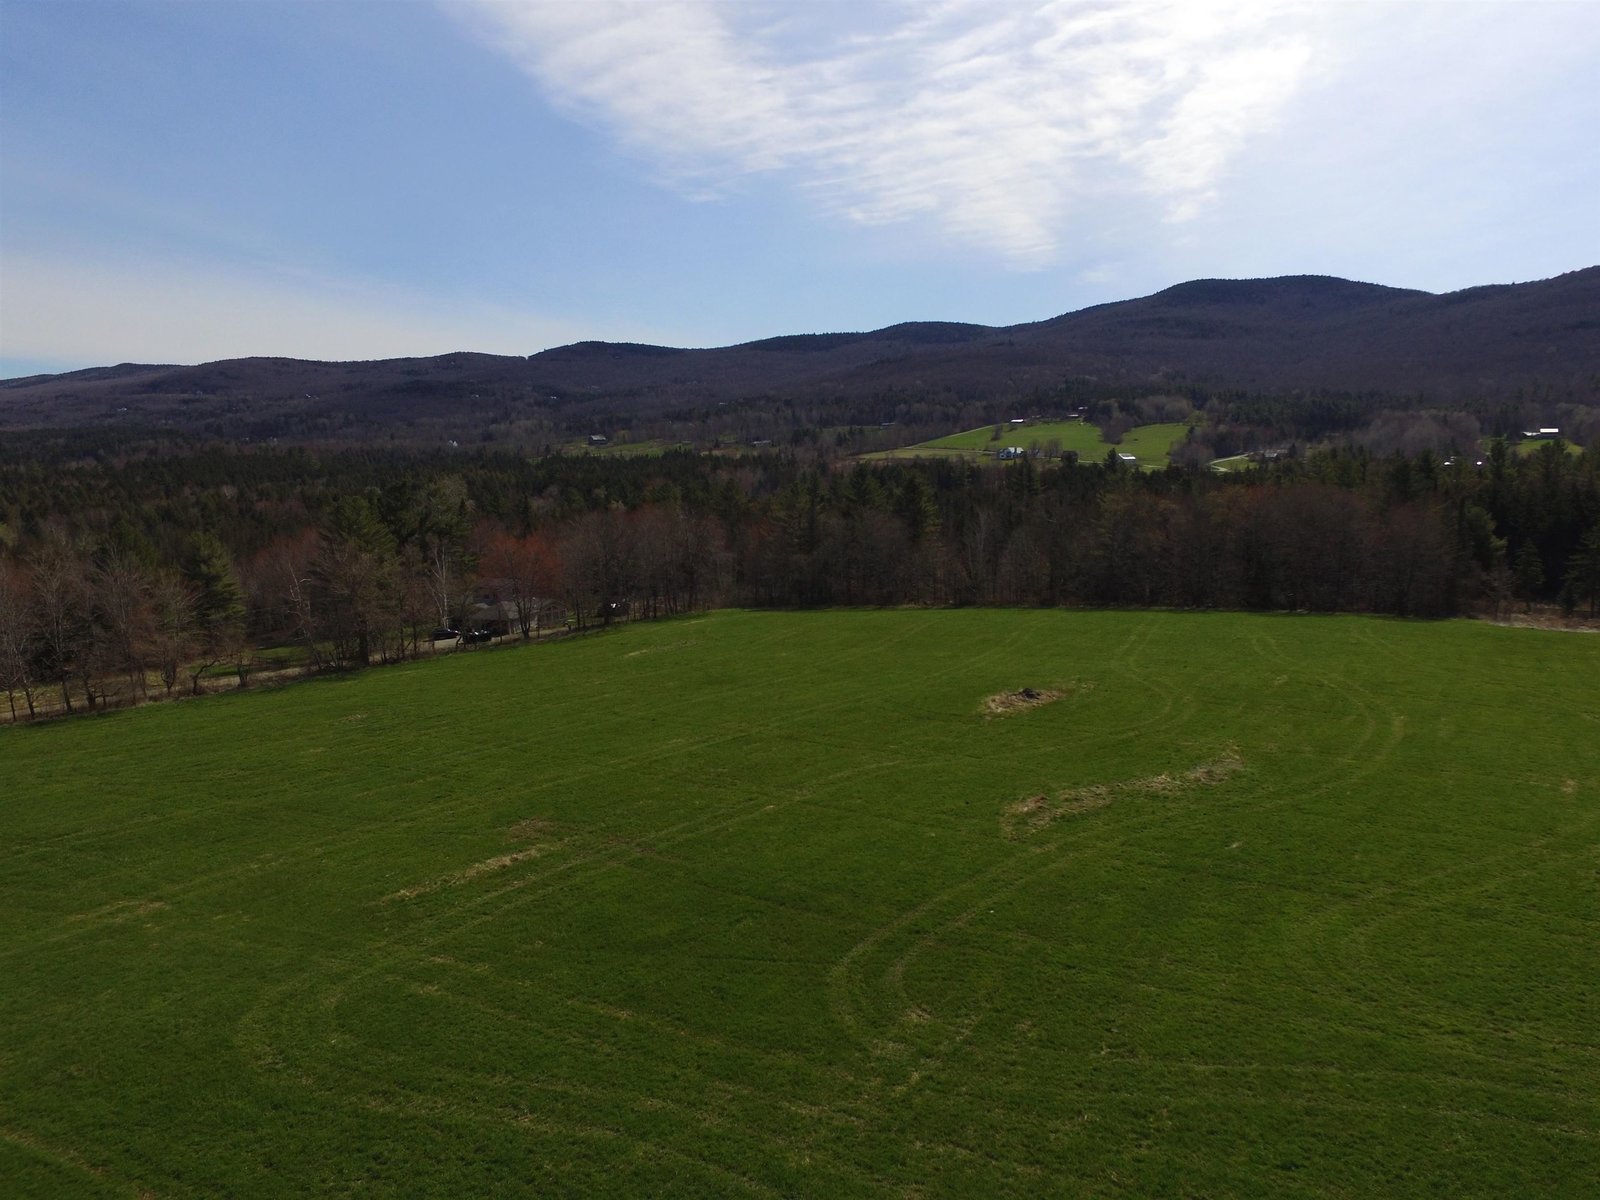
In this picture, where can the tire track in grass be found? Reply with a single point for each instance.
(842, 1000)
(451, 924)
(276, 1036)
(1384, 1108)
(1471, 1076)
(1309, 1026)
(425, 814)
(1445, 1083)
(320, 1072)
(380, 1094)
(736, 1100)
(211, 883)
(1357, 983)
(1362, 700)
(1389, 1112)
(1057, 858)
(709, 823)
(360, 834)
(69, 1161)
(1422, 893)
(1042, 861)
(345, 1006)
(1396, 734)
(330, 998)
(853, 772)
(840, 975)
(846, 978)
(1358, 702)
(213, 808)
(252, 1029)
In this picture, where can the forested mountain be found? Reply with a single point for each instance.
(1298, 334)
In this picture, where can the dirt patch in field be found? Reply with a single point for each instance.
(498, 863)
(1004, 704)
(486, 867)
(1035, 813)
(121, 910)
(657, 649)
(536, 829)
(1543, 617)
(532, 828)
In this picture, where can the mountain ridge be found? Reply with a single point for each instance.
(1281, 334)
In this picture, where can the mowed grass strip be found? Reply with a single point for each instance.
(741, 905)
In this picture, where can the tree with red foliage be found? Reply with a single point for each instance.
(527, 570)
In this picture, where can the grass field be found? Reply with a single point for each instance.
(774, 904)
(1149, 443)
(1530, 446)
(1237, 462)
(624, 449)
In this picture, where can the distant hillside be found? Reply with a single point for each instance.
(1291, 333)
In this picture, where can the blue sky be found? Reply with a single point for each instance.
(181, 182)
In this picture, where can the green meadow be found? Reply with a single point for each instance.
(761, 904)
(1531, 446)
(622, 449)
(1149, 443)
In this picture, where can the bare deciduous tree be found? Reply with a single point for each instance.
(16, 637)
(176, 630)
(60, 603)
(124, 618)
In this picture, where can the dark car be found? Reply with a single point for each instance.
(445, 632)
(473, 636)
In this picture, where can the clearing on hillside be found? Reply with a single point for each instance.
(1258, 906)
(1149, 444)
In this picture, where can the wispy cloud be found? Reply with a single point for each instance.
(994, 123)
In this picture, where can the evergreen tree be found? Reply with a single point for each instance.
(1528, 574)
(356, 576)
(1583, 571)
(218, 599)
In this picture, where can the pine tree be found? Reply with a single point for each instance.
(219, 600)
(1583, 570)
(1528, 574)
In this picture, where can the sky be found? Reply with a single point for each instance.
(188, 180)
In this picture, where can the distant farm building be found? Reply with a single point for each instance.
(1011, 452)
(1543, 432)
(598, 439)
(1127, 458)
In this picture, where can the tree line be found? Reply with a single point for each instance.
(122, 578)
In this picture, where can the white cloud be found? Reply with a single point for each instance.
(996, 123)
(92, 312)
